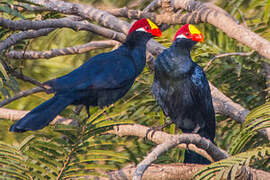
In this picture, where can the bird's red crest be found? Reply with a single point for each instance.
(145, 25)
(183, 29)
(138, 24)
(189, 31)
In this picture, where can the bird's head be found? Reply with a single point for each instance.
(188, 35)
(145, 25)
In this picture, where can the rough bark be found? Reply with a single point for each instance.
(172, 172)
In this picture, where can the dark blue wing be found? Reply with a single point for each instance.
(201, 95)
(105, 71)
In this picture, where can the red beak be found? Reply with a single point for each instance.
(197, 37)
(156, 32)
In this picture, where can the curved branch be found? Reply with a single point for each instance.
(61, 52)
(170, 143)
(14, 38)
(200, 145)
(20, 95)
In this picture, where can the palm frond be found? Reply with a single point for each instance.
(257, 119)
(230, 167)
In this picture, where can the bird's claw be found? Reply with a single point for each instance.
(154, 129)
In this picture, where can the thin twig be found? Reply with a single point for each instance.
(20, 95)
(30, 80)
(225, 55)
(66, 163)
(80, 135)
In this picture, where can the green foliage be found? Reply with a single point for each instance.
(257, 120)
(229, 168)
(66, 151)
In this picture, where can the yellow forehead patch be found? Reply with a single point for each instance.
(193, 29)
(152, 25)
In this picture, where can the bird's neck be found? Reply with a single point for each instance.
(137, 39)
(136, 45)
(181, 50)
(182, 63)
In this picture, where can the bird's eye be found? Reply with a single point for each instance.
(187, 34)
(147, 28)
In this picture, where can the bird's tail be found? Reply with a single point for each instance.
(42, 115)
(194, 158)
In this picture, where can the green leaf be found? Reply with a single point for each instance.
(266, 12)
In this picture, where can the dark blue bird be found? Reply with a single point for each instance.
(182, 90)
(100, 81)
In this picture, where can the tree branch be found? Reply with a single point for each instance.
(200, 145)
(61, 52)
(171, 172)
(20, 95)
(85, 11)
(30, 80)
(15, 115)
(68, 22)
(36, 25)
(14, 38)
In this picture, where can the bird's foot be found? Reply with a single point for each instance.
(78, 109)
(196, 129)
(157, 128)
(88, 111)
(88, 115)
